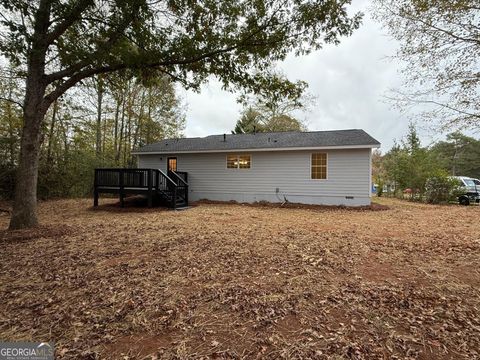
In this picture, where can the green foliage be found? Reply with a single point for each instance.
(441, 188)
(133, 112)
(410, 165)
(380, 184)
(284, 123)
(379, 175)
(249, 122)
(273, 109)
(235, 41)
(10, 120)
(459, 154)
(427, 171)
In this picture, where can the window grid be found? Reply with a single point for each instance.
(172, 164)
(319, 166)
(239, 161)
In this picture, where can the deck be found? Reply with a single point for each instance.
(171, 189)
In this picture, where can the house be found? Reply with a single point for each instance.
(318, 167)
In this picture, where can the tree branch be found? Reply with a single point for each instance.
(12, 101)
(446, 32)
(409, 99)
(116, 35)
(72, 17)
(77, 74)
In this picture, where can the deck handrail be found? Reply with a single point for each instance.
(166, 177)
(179, 178)
(183, 175)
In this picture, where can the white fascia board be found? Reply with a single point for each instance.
(256, 150)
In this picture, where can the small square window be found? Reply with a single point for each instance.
(244, 162)
(232, 161)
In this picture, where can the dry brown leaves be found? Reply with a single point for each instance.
(236, 281)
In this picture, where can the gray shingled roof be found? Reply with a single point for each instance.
(271, 140)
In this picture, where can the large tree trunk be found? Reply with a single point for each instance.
(24, 213)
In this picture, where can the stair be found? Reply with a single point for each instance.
(167, 197)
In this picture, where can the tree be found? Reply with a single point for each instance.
(274, 107)
(57, 44)
(249, 122)
(253, 120)
(379, 175)
(459, 155)
(410, 165)
(10, 129)
(440, 45)
(285, 123)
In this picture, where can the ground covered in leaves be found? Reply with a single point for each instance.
(236, 281)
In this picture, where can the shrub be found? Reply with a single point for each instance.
(380, 188)
(441, 188)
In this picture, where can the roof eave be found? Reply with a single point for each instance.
(341, 147)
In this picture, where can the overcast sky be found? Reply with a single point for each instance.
(348, 81)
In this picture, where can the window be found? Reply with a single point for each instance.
(172, 164)
(238, 161)
(319, 166)
(469, 182)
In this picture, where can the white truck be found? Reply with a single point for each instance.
(471, 192)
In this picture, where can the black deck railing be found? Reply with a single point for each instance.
(181, 183)
(183, 175)
(141, 181)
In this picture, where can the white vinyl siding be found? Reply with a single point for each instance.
(288, 171)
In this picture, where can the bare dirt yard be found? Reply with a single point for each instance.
(237, 281)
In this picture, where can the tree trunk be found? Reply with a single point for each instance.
(10, 115)
(122, 121)
(51, 132)
(128, 131)
(149, 118)
(11, 134)
(98, 145)
(24, 213)
(139, 126)
(115, 131)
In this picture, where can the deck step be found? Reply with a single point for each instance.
(167, 197)
(180, 208)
